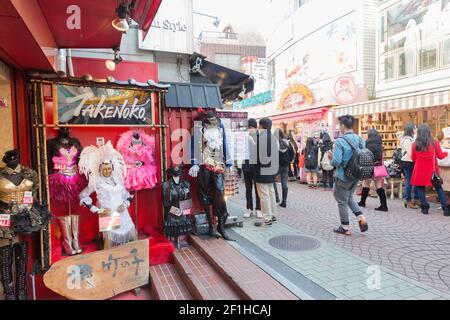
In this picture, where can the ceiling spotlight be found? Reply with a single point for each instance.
(216, 22)
(120, 23)
(111, 64)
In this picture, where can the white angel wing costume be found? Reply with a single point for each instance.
(111, 192)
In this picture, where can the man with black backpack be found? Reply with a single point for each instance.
(352, 162)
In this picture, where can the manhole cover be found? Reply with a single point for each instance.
(294, 243)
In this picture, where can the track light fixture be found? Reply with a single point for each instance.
(111, 64)
(120, 23)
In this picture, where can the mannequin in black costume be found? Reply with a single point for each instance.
(26, 216)
(65, 184)
(209, 167)
(174, 191)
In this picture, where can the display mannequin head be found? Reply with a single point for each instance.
(211, 120)
(64, 134)
(11, 158)
(106, 169)
(176, 173)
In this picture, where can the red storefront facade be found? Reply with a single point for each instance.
(32, 32)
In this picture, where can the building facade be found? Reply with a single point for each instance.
(320, 55)
(412, 64)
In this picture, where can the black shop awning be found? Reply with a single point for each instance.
(233, 84)
(193, 95)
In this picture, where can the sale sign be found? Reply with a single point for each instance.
(5, 220)
(27, 198)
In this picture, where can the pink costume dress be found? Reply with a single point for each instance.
(66, 183)
(137, 149)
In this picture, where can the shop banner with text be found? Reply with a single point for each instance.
(91, 105)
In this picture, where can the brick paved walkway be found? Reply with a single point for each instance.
(404, 242)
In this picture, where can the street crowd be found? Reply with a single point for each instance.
(342, 165)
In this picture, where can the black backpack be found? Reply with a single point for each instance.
(360, 166)
(311, 159)
(397, 156)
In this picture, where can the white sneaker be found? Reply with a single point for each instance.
(259, 214)
(248, 213)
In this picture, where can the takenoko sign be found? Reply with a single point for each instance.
(99, 105)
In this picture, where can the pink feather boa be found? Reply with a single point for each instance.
(138, 176)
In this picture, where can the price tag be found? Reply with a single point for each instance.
(59, 166)
(27, 198)
(175, 211)
(5, 220)
(108, 222)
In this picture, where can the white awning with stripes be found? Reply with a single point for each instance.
(396, 103)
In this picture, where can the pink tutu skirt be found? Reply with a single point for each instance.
(65, 188)
(139, 178)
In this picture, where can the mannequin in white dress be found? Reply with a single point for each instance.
(112, 197)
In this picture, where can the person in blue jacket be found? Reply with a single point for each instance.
(345, 186)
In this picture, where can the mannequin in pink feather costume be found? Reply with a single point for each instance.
(137, 149)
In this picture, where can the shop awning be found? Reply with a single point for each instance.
(193, 95)
(33, 30)
(304, 115)
(233, 84)
(398, 103)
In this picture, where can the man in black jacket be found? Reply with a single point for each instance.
(248, 167)
(266, 168)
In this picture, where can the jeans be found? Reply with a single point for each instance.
(408, 175)
(343, 193)
(249, 179)
(440, 193)
(328, 178)
(266, 193)
(284, 176)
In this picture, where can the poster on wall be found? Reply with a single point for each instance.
(308, 64)
(91, 105)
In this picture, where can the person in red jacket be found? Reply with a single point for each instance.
(424, 154)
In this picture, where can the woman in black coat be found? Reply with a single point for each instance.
(375, 144)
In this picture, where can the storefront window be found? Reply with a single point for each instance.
(446, 52)
(428, 57)
(409, 18)
(389, 68)
(406, 63)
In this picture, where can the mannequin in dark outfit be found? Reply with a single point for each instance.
(174, 191)
(15, 180)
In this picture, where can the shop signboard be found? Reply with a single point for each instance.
(95, 105)
(102, 274)
(258, 99)
(295, 96)
(446, 132)
(345, 89)
(172, 28)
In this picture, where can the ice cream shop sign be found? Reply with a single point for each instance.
(295, 97)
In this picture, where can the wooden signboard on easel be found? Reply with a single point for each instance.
(102, 274)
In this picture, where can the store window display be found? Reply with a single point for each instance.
(210, 160)
(65, 184)
(137, 149)
(21, 214)
(105, 169)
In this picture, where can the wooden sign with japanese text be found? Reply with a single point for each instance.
(102, 274)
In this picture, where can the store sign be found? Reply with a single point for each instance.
(171, 30)
(90, 105)
(102, 274)
(345, 89)
(261, 98)
(295, 96)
